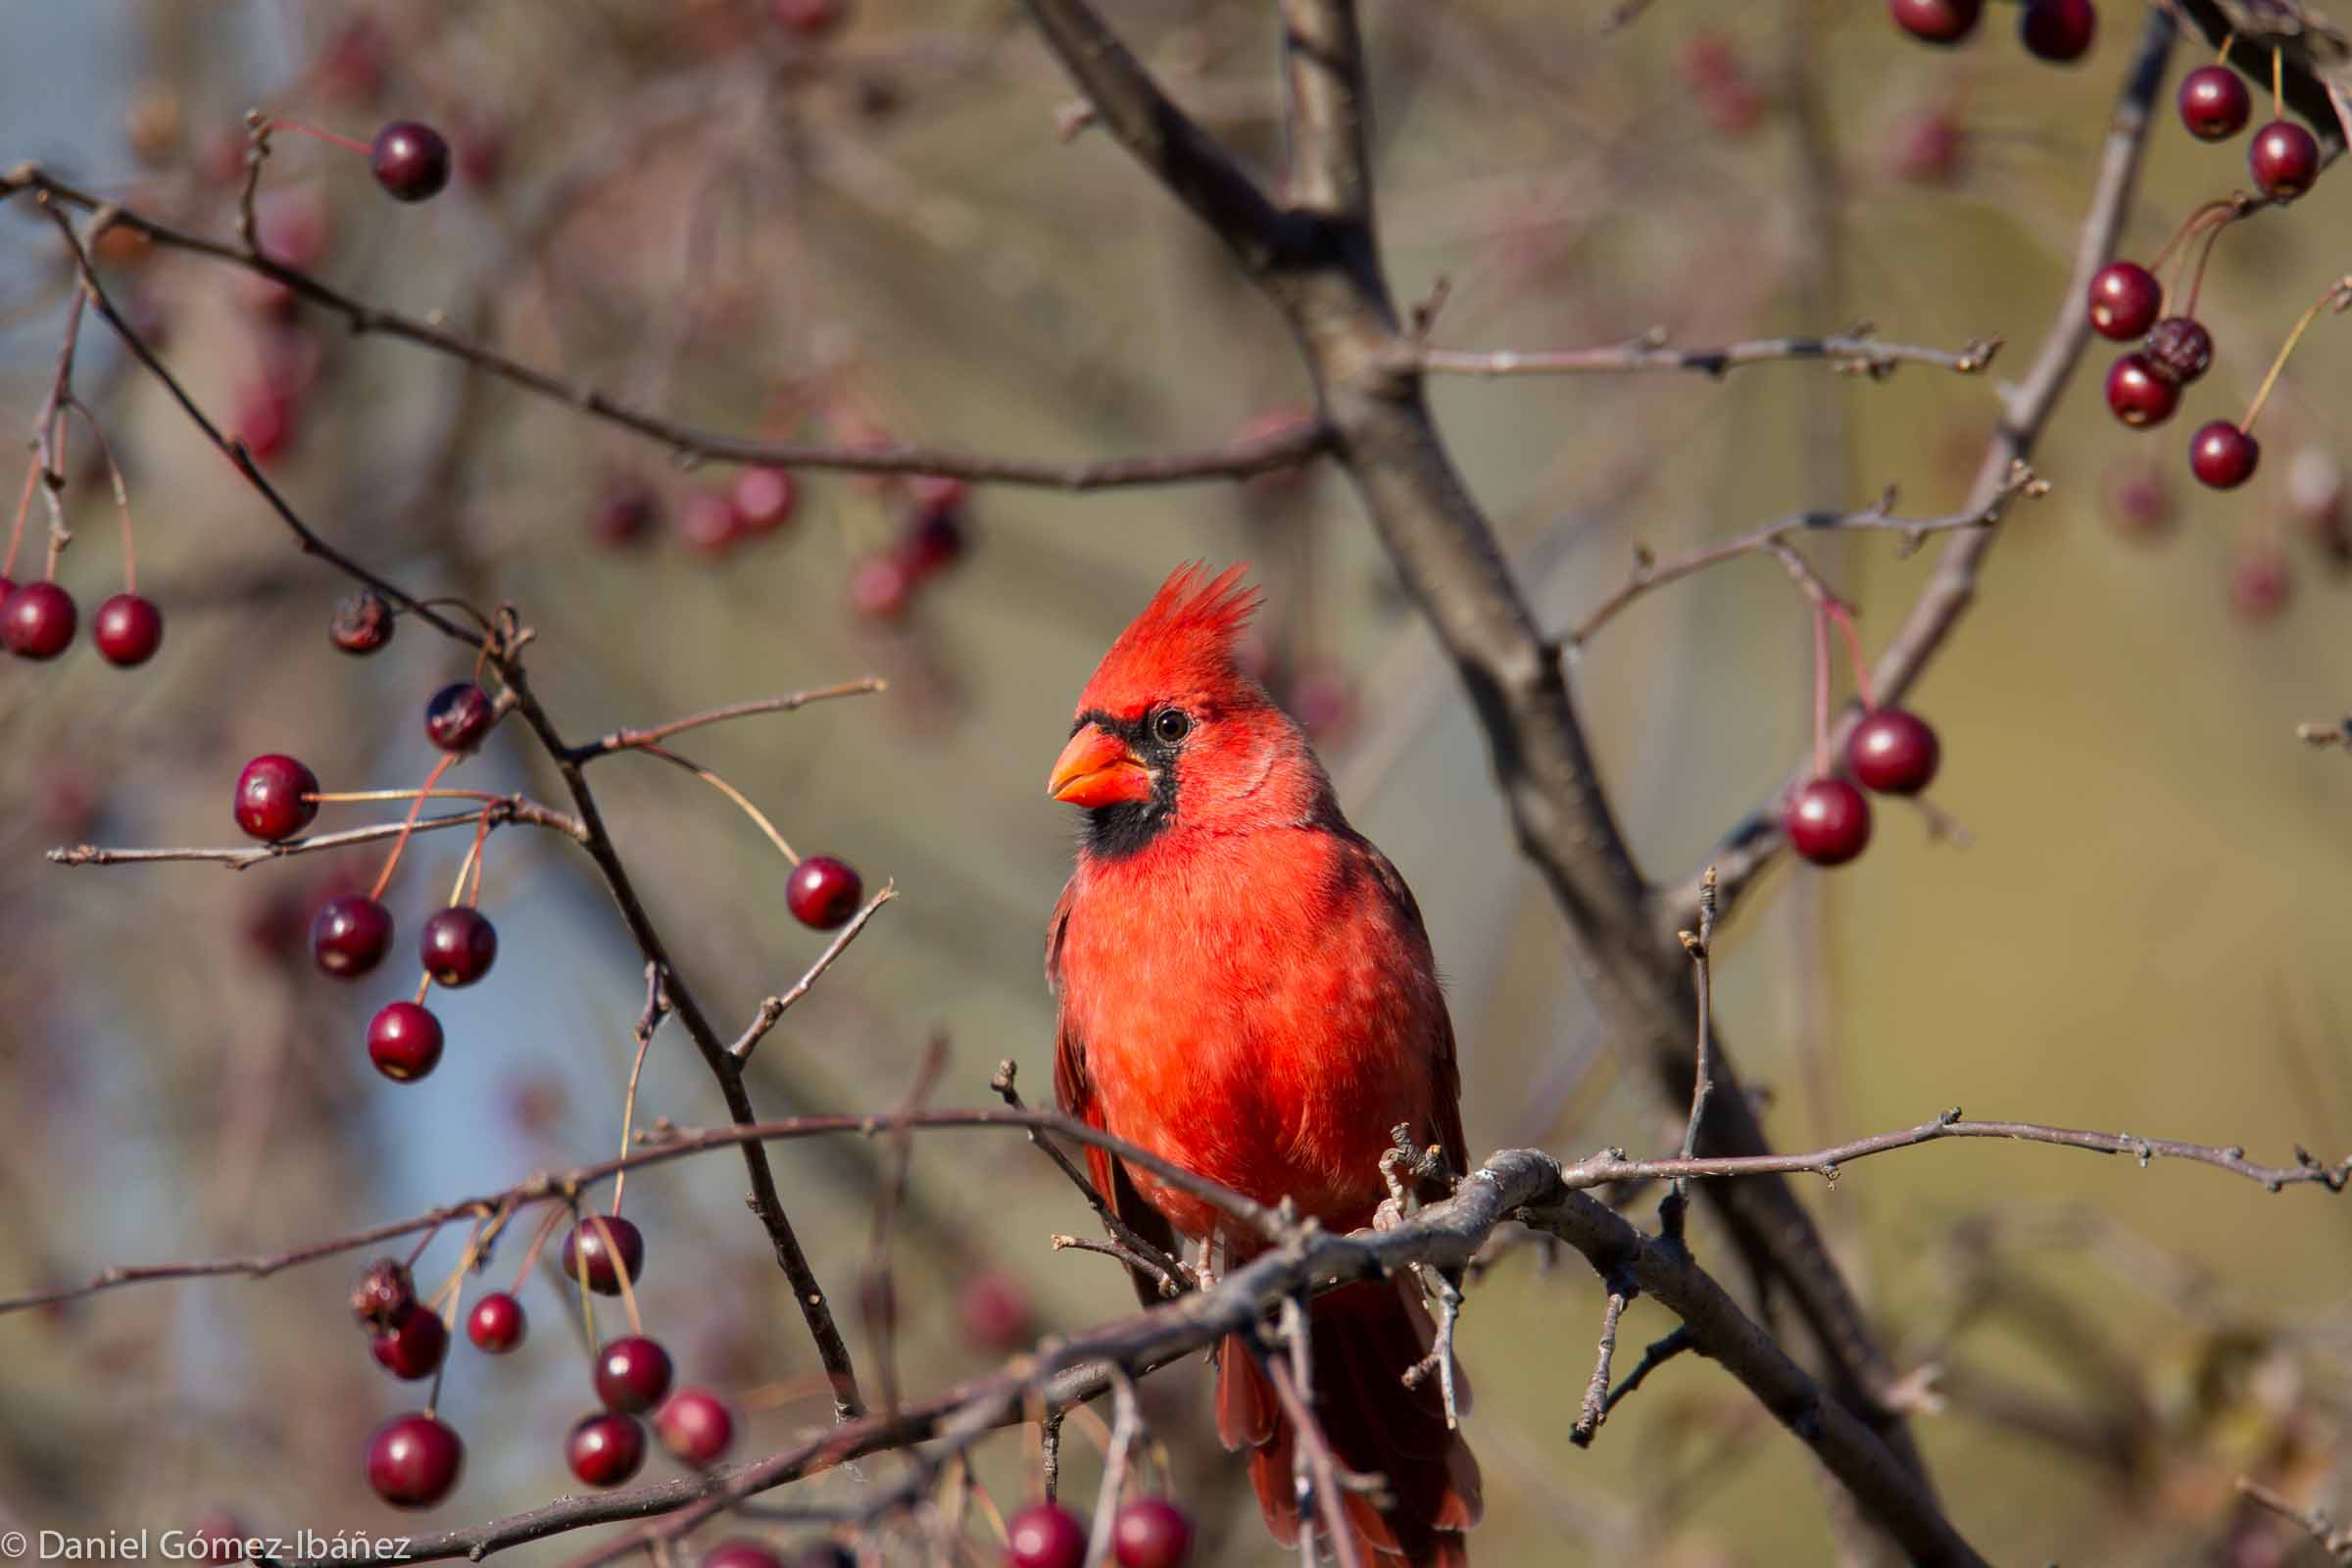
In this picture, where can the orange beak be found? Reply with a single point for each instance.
(1098, 770)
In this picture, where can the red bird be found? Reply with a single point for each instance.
(1246, 990)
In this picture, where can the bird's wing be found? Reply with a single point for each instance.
(1445, 1086)
(1075, 1095)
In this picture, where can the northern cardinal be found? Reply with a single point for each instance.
(1246, 990)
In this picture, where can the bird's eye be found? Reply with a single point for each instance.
(1170, 725)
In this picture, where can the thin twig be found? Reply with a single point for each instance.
(772, 1009)
(622, 739)
(511, 808)
(1648, 572)
(2333, 1539)
(1237, 459)
(1596, 1407)
(1170, 1270)
(1854, 353)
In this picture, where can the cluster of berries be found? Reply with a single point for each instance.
(415, 1459)
(1148, 1533)
(2058, 30)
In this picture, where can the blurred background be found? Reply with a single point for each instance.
(775, 219)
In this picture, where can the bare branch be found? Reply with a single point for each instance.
(1238, 460)
(2333, 1539)
(1649, 572)
(511, 808)
(1188, 161)
(1852, 352)
(1612, 1166)
(2026, 406)
(622, 739)
(1323, 80)
(772, 1009)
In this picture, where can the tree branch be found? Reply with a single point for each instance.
(1854, 353)
(512, 808)
(1238, 460)
(1752, 844)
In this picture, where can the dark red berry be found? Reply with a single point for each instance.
(741, 1554)
(362, 622)
(459, 714)
(457, 946)
(2139, 502)
(351, 935)
(2284, 160)
(809, 18)
(1926, 147)
(935, 543)
(37, 620)
(824, 893)
(709, 523)
(880, 587)
(383, 1295)
(584, 1244)
(2124, 298)
(1894, 752)
(269, 804)
(1828, 822)
(996, 1310)
(1936, 21)
(2058, 30)
(632, 1373)
(404, 1040)
(410, 160)
(2178, 349)
(604, 1451)
(263, 421)
(2215, 102)
(1151, 1533)
(696, 1426)
(624, 514)
(414, 1460)
(762, 499)
(2137, 395)
(413, 1347)
(2261, 582)
(2223, 456)
(1047, 1536)
(128, 629)
(496, 1324)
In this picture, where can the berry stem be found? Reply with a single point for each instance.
(757, 817)
(2338, 295)
(16, 534)
(620, 1271)
(2190, 225)
(2227, 38)
(628, 1110)
(384, 878)
(424, 988)
(1821, 691)
(1853, 647)
(276, 122)
(353, 797)
(530, 1254)
(2278, 84)
(579, 1268)
(2196, 278)
(473, 860)
(113, 475)
(422, 1242)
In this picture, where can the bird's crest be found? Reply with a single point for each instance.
(1186, 642)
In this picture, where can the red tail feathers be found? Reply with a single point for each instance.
(1362, 1340)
